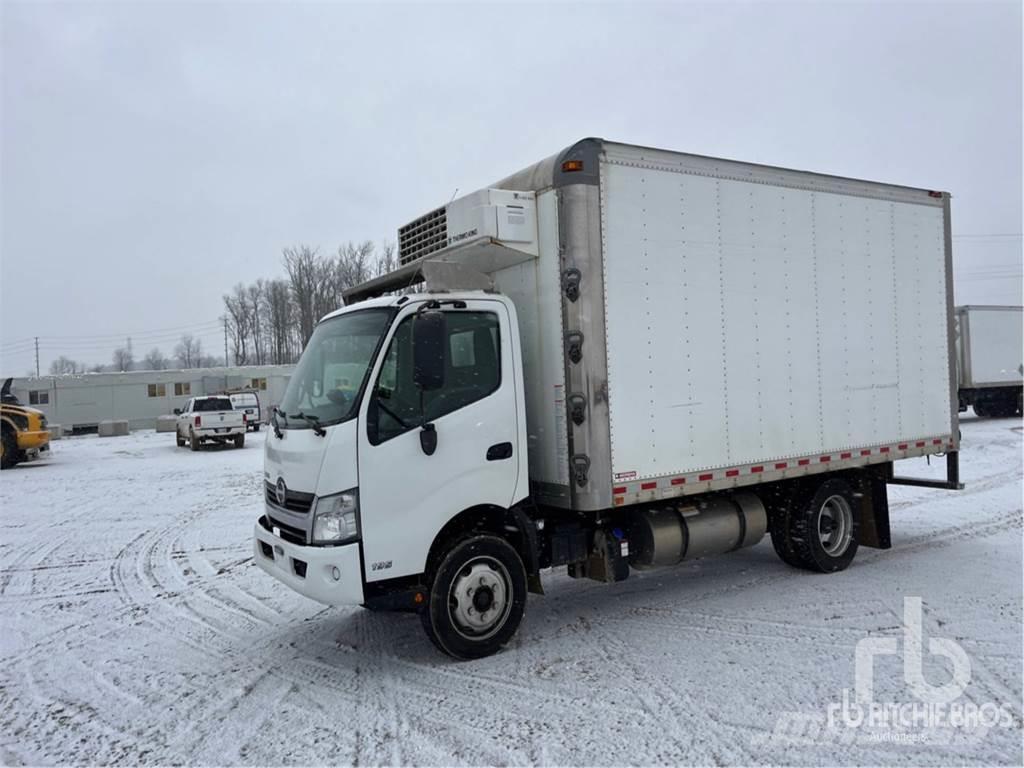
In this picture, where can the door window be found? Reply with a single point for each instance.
(472, 372)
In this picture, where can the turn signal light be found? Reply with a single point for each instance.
(572, 165)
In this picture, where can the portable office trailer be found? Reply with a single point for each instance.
(79, 402)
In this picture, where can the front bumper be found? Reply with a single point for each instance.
(311, 571)
(32, 441)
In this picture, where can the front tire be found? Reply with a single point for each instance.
(179, 439)
(9, 453)
(477, 598)
(821, 532)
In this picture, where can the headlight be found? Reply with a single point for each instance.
(336, 518)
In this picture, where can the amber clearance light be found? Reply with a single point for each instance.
(572, 165)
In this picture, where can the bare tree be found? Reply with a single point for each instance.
(123, 359)
(188, 351)
(237, 305)
(279, 321)
(386, 260)
(255, 294)
(302, 265)
(154, 360)
(63, 365)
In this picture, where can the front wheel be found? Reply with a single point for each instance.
(179, 439)
(477, 598)
(9, 453)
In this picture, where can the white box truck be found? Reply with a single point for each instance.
(990, 349)
(622, 358)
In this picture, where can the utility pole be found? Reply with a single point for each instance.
(37, 356)
(225, 319)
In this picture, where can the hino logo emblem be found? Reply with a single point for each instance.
(281, 492)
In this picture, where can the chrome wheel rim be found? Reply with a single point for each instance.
(835, 525)
(480, 598)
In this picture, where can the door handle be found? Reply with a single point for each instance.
(499, 451)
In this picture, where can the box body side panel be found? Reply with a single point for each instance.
(750, 322)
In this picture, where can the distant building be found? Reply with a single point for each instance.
(81, 401)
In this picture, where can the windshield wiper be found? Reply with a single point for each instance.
(275, 411)
(313, 421)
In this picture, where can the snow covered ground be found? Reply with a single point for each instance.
(135, 629)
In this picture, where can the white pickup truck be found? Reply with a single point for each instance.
(210, 420)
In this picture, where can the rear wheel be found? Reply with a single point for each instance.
(256, 427)
(477, 598)
(821, 531)
(9, 453)
(981, 410)
(193, 441)
(1006, 406)
(239, 441)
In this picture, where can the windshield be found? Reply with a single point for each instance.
(330, 374)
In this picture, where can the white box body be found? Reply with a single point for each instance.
(735, 323)
(990, 346)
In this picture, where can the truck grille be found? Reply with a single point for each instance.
(422, 236)
(287, 532)
(294, 501)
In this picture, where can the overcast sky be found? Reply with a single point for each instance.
(153, 155)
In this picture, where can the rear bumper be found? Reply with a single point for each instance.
(212, 432)
(33, 441)
(329, 575)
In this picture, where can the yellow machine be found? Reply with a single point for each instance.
(25, 435)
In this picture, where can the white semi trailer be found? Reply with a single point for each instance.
(990, 350)
(622, 358)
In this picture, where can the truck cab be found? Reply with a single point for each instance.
(402, 414)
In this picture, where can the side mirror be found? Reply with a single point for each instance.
(177, 411)
(428, 335)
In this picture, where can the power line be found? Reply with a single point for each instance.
(173, 331)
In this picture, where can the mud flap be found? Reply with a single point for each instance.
(529, 549)
(874, 510)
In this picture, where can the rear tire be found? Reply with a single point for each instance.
(780, 507)
(239, 441)
(193, 441)
(256, 427)
(477, 598)
(821, 532)
(9, 453)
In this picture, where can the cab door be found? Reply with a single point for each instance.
(406, 494)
